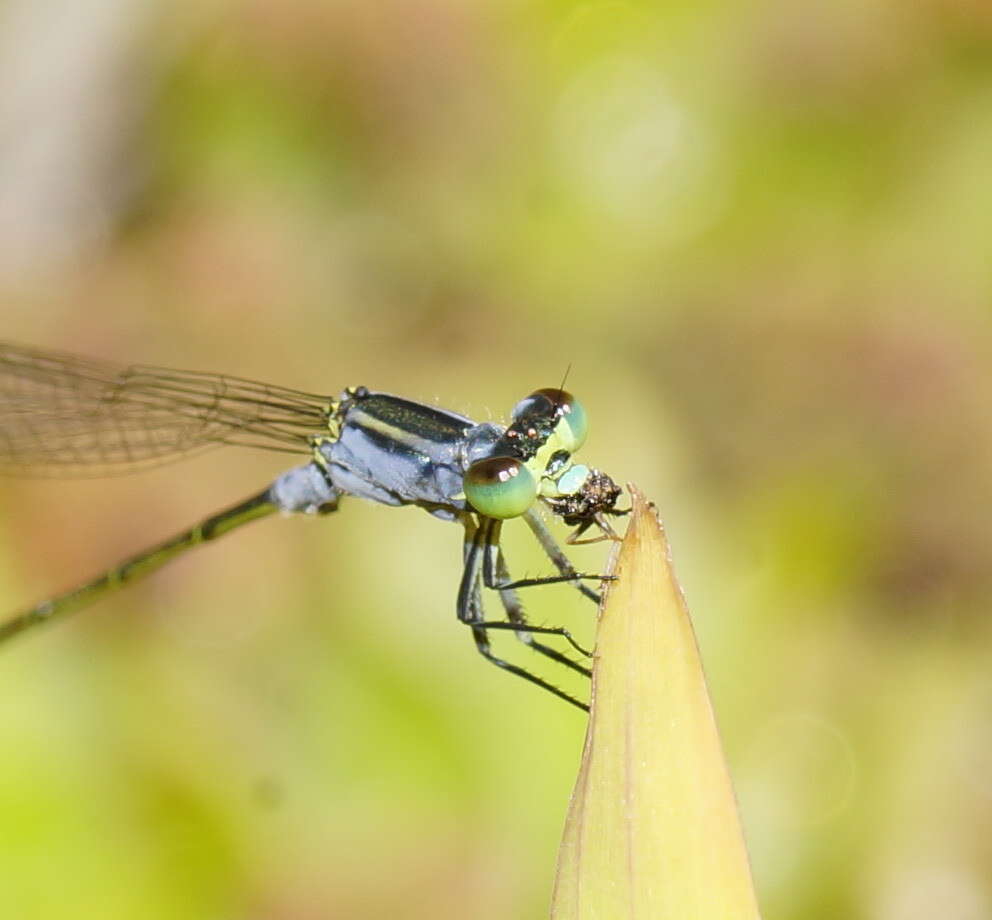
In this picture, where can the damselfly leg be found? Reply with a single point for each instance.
(485, 566)
(554, 552)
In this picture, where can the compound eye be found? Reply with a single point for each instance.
(573, 425)
(500, 487)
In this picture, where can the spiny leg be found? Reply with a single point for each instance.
(569, 573)
(482, 644)
(556, 555)
(496, 575)
(550, 580)
(470, 611)
(524, 631)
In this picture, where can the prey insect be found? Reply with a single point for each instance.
(62, 415)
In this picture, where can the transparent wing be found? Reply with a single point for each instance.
(68, 416)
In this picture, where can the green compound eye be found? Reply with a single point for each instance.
(500, 487)
(577, 423)
(570, 482)
(574, 424)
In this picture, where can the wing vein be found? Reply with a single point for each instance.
(62, 415)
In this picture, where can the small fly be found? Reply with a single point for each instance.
(65, 415)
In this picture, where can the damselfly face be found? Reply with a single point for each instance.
(533, 460)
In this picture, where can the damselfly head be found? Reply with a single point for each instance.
(551, 425)
(533, 459)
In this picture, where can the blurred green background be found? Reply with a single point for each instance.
(759, 237)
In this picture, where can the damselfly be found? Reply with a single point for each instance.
(63, 415)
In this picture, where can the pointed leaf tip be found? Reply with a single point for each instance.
(652, 828)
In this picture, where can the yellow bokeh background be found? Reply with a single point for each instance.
(758, 239)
